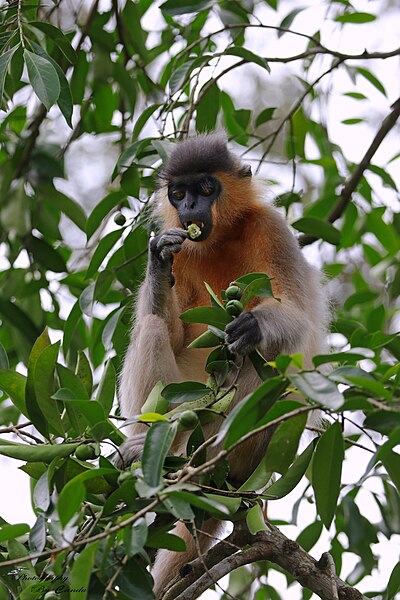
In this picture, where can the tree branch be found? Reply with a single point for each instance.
(274, 546)
(352, 182)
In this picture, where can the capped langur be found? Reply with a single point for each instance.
(237, 232)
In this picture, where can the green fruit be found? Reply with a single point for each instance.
(234, 308)
(120, 219)
(188, 419)
(233, 292)
(194, 231)
(87, 452)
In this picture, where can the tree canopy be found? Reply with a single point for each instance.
(85, 86)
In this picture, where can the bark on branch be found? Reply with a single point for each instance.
(352, 182)
(242, 548)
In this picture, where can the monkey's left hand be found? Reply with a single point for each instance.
(244, 334)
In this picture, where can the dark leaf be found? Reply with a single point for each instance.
(327, 472)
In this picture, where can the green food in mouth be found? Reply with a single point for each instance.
(194, 231)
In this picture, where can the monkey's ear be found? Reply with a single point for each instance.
(245, 171)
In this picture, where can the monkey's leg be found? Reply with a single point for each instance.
(150, 359)
(168, 565)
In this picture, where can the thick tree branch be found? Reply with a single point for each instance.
(274, 546)
(352, 182)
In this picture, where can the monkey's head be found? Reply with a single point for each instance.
(198, 182)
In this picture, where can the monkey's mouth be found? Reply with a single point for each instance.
(203, 226)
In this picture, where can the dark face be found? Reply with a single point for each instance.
(193, 198)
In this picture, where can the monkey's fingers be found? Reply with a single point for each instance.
(243, 334)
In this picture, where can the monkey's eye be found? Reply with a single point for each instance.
(207, 188)
(178, 194)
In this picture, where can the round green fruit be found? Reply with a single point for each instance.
(86, 452)
(120, 219)
(233, 292)
(188, 419)
(234, 308)
(194, 231)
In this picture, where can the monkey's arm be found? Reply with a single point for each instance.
(156, 337)
(274, 328)
(157, 296)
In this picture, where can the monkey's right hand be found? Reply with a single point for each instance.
(164, 246)
(130, 451)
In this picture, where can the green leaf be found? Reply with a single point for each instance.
(103, 248)
(13, 384)
(179, 75)
(84, 372)
(208, 108)
(372, 79)
(5, 60)
(19, 319)
(156, 447)
(310, 535)
(10, 532)
(187, 391)
(319, 228)
(59, 38)
(211, 315)
(65, 98)
(69, 207)
(354, 121)
(356, 95)
(355, 17)
(101, 210)
(41, 453)
(246, 415)
(255, 520)
(211, 503)
(166, 540)
(43, 381)
(260, 286)
(394, 583)
(43, 78)
(81, 572)
(46, 255)
(214, 298)
(288, 20)
(140, 123)
(292, 477)
(248, 57)
(327, 472)
(208, 339)
(319, 388)
(135, 537)
(265, 115)
(70, 501)
(173, 8)
(282, 448)
(34, 412)
(384, 175)
(106, 390)
(155, 403)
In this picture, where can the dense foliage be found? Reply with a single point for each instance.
(134, 76)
